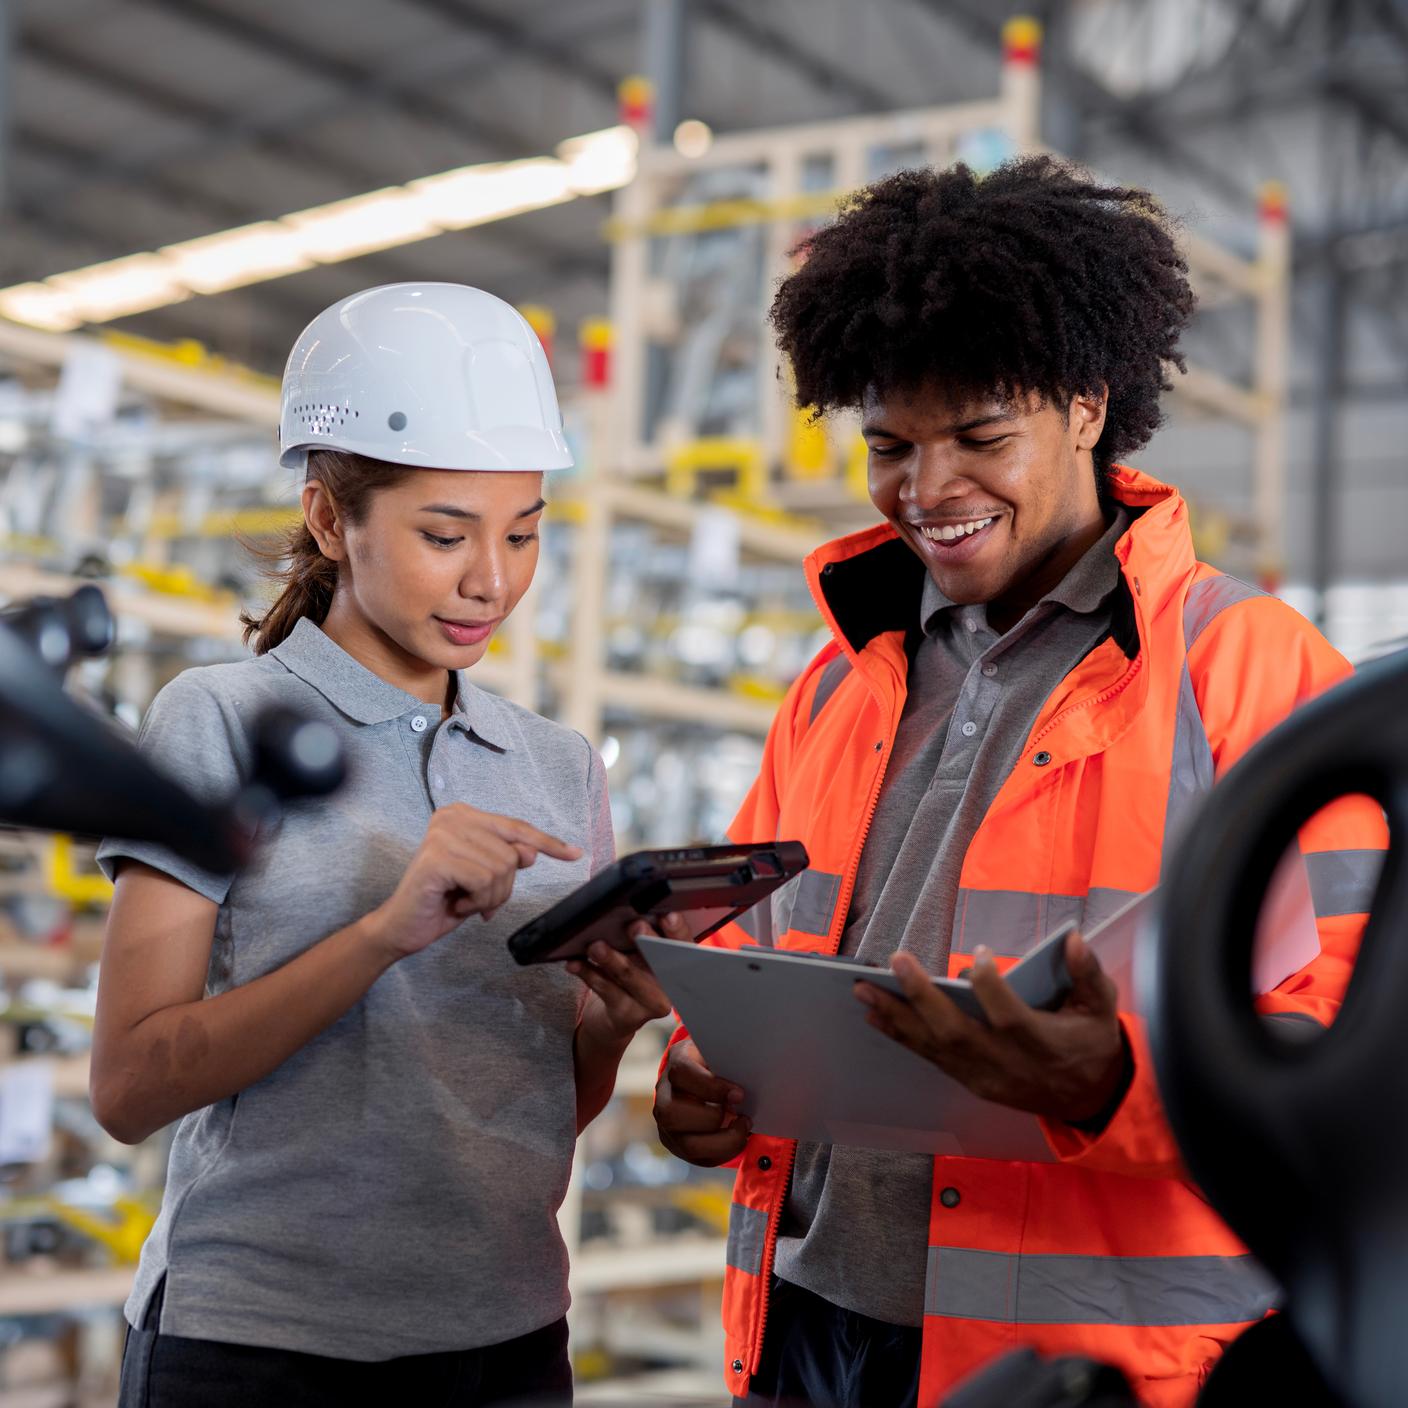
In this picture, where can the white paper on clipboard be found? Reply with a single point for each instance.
(788, 1030)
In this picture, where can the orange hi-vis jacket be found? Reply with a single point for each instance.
(1108, 1251)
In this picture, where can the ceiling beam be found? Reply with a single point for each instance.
(209, 211)
(215, 133)
(370, 83)
(525, 40)
(746, 23)
(1373, 108)
(366, 269)
(429, 66)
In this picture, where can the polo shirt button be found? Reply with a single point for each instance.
(418, 724)
(438, 783)
(972, 626)
(969, 729)
(950, 1197)
(989, 669)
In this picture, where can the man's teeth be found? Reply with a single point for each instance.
(949, 532)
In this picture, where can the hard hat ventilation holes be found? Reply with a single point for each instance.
(321, 418)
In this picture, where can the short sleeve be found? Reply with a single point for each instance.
(603, 836)
(191, 737)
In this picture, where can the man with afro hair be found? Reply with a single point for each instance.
(1031, 680)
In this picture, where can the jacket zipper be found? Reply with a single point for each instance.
(1105, 695)
(843, 904)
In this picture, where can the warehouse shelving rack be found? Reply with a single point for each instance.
(648, 430)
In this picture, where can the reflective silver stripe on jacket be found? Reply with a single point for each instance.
(1013, 922)
(1096, 1290)
(747, 1239)
(1343, 882)
(1208, 599)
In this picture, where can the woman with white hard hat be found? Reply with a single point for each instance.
(377, 1106)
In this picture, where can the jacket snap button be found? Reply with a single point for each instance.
(737, 1366)
(880, 747)
(950, 1197)
(1041, 759)
(765, 1163)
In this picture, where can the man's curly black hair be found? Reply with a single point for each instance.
(1033, 279)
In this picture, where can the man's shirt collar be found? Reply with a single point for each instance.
(1084, 589)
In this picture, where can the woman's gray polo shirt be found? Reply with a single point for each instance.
(392, 1188)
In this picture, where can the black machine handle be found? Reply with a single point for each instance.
(61, 630)
(64, 769)
(1301, 1146)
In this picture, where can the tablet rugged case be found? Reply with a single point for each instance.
(721, 882)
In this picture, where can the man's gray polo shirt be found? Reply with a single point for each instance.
(392, 1188)
(855, 1228)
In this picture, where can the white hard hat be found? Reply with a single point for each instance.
(440, 376)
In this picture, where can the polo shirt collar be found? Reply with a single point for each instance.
(482, 715)
(363, 695)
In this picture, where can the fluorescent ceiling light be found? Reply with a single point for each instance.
(39, 306)
(120, 286)
(237, 257)
(362, 225)
(600, 161)
(454, 200)
(475, 195)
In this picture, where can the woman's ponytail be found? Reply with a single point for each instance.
(310, 579)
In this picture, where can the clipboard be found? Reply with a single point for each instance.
(787, 1029)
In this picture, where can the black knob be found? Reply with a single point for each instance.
(91, 626)
(295, 756)
(61, 630)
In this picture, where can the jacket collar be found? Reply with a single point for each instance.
(366, 698)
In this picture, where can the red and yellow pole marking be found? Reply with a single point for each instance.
(595, 337)
(1273, 203)
(635, 97)
(1021, 41)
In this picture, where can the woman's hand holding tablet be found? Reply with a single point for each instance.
(627, 993)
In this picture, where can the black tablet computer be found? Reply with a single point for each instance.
(714, 883)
